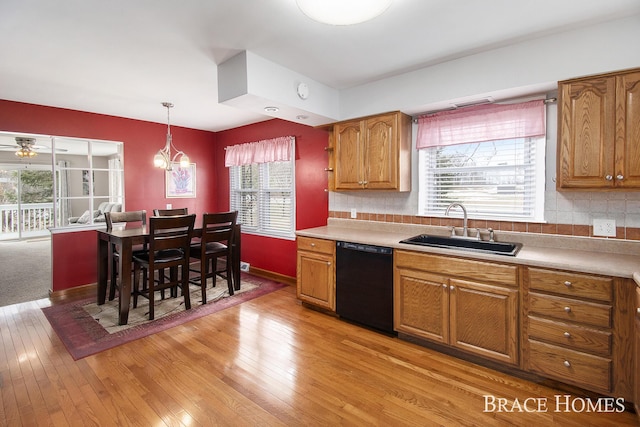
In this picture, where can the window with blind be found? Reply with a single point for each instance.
(264, 196)
(501, 179)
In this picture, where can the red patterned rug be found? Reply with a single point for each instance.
(84, 331)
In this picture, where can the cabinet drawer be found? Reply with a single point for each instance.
(572, 310)
(573, 367)
(316, 245)
(571, 284)
(570, 335)
(477, 270)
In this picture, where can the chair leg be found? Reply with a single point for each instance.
(136, 284)
(151, 290)
(114, 276)
(185, 285)
(229, 277)
(204, 272)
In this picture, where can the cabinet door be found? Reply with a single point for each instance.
(348, 156)
(421, 305)
(586, 133)
(627, 171)
(380, 156)
(484, 320)
(316, 279)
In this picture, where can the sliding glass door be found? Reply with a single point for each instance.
(26, 201)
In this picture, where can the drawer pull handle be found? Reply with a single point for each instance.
(567, 363)
(567, 309)
(567, 283)
(567, 335)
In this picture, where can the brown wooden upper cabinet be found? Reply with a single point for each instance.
(372, 153)
(599, 132)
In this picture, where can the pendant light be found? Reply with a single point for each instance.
(163, 158)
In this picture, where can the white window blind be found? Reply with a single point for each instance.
(264, 196)
(494, 179)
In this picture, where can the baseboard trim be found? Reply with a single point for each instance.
(287, 280)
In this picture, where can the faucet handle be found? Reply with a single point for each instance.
(453, 231)
(478, 236)
(491, 238)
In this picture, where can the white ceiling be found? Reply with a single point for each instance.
(124, 57)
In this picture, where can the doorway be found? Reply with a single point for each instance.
(26, 201)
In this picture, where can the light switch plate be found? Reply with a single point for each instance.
(169, 206)
(354, 213)
(604, 227)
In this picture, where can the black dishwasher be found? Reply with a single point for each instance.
(364, 285)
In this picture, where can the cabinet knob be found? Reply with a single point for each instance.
(444, 285)
(567, 283)
(452, 287)
(567, 309)
(567, 363)
(313, 245)
(619, 177)
(567, 335)
(328, 262)
(328, 169)
(609, 177)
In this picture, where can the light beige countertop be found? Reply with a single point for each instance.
(610, 257)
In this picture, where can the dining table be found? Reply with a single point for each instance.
(125, 239)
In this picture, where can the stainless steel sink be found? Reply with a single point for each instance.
(499, 248)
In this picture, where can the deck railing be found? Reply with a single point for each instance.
(33, 217)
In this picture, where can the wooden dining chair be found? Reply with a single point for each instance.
(139, 217)
(170, 212)
(169, 246)
(215, 242)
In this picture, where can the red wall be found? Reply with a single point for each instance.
(74, 254)
(278, 255)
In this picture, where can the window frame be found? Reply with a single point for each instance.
(262, 191)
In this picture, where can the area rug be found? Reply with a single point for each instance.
(86, 328)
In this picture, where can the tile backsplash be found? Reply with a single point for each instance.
(566, 213)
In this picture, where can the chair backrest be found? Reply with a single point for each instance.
(130, 216)
(170, 212)
(170, 232)
(218, 227)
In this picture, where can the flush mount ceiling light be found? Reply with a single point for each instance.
(343, 12)
(163, 158)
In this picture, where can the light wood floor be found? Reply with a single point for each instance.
(269, 361)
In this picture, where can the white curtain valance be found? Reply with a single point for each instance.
(482, 123)
(268, 150)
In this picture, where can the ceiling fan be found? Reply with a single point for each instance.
(26, 148)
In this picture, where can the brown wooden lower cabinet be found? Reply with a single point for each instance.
(457, 302)
(578, 330)
(316, 273)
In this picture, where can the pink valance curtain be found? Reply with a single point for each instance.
(481, 123)
(268, 150)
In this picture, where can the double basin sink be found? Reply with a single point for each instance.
(498, 248)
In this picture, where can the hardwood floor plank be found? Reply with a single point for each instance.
(269, 361)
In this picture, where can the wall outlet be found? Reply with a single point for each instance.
(169, 206)
(354, 213)
(604, 227)
(244, 266)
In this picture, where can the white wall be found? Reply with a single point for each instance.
(528, 68)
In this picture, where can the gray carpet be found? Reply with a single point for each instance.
(25, 271)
